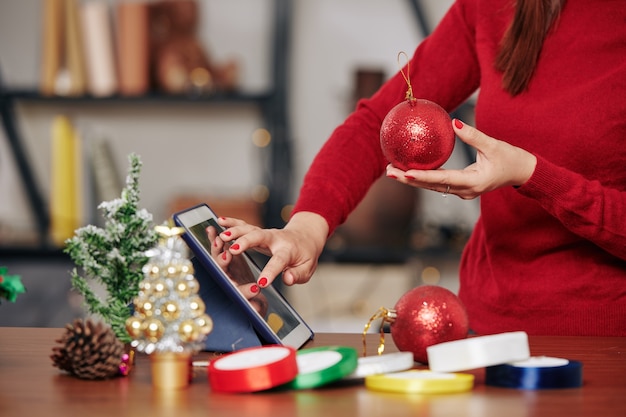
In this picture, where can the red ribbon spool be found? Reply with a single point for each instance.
(253, 369)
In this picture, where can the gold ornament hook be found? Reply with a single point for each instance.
(409, 91)
(388, 316)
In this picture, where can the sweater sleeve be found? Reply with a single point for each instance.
(443, 69)
(586, 208)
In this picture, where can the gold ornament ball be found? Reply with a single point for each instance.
(170, 310)
(205, 323)
(152, 270)
(188, 331)
(153, 329)
(145, 287)
(193, 285)
(197, 307)
(134, 327)
(182, 288)
(173, 270)
(159, 289)
(144, 307)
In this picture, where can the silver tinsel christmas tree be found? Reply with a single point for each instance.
(169, 314)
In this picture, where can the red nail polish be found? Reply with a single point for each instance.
(458, 124)
(393, 177)
(254, 288)
(224, 255)
(227, 233)
(263, 281)
(235, 246)
(409, 177)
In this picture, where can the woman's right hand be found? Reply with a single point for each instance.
(293, 250)
(238, 270)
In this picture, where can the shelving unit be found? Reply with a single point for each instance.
(272, 104)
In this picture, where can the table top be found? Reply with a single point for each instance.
(31, 386)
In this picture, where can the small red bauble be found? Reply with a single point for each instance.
(425, 316)
(417, 134)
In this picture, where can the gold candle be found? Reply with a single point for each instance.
(170, 370)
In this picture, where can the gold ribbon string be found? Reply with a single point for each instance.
(409, 91)
(387, 316)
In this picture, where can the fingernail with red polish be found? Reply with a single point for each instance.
(409, 177)
(224, 255)
(262, 281)
(458, 124)
(235, 246)
(254, 288)
(393, 177)
(227, 233)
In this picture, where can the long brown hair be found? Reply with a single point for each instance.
(522, 42)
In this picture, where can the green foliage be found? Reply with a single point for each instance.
(114, 256)
(10, 285)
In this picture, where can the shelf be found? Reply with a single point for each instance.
(33, 95)
(272, 104)
(41, 253)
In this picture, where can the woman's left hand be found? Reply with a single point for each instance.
(498, 164)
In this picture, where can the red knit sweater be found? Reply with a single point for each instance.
(548, 257)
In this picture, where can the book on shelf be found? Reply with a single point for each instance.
(74, 52)
(62, 54)
(132, 34)
(51, 45)
(107, 181)
(66, 180)
(99, 50)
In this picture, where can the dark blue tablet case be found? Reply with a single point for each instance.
(232, 330)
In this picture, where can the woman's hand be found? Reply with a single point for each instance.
(498, 164)
(293, 250)
(237, 270)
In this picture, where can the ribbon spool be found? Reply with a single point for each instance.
(420, 382)
(478, 352)
(382, 364)
(538, 372)
(253, 369)
(323, 365)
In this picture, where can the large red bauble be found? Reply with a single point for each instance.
(425, 316)
(417, 134)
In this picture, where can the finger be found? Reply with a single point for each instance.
(249, 291)
(223, 259)
(299, 275)
(230, 221)
(272, 269)
(235, 232)
(470, 135)
(259, 239)
(217, 244)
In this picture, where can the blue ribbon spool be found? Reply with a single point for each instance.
(536, 373)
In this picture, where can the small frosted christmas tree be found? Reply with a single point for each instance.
(169, 322)
(114, 255)
(169, 314)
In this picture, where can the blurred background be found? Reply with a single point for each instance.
(226, 102)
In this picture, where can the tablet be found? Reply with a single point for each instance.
(277, 322)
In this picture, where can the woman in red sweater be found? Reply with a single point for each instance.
(548, 253)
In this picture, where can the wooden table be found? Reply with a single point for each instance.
(31, 386)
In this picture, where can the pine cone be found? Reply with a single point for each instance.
(88, 350)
